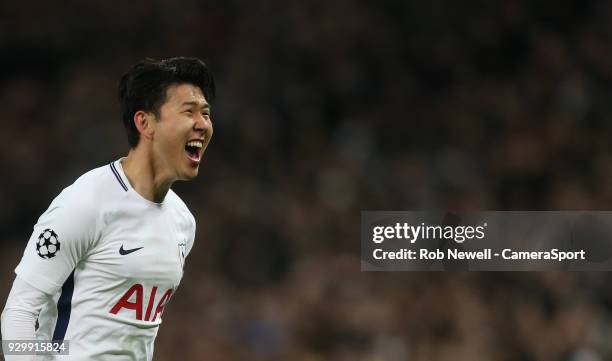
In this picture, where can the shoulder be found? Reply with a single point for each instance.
(181, 209)
(89, 193)
(76, 214)
(185, 219)
(103, 182)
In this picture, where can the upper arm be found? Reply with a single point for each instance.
(62, 237)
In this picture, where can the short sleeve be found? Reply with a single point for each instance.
(62, 237)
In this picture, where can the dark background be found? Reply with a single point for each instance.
(324, 109)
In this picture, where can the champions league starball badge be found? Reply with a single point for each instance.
(48, 244)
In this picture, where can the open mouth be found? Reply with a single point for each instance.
(194, 150)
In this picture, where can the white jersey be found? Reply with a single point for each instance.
(112, 260)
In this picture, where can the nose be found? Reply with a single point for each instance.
(202, 123)
(203, 126)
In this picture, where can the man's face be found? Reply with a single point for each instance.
(182, 131)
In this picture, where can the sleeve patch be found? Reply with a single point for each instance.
(48, 244)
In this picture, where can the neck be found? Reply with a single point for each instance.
(145, 176)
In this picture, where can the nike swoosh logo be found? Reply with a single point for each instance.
(123, 252)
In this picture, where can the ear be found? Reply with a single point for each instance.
(144, 123)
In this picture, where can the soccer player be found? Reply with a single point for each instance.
(107, 255)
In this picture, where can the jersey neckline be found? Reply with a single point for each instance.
(123, 179)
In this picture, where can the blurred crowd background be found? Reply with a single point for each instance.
(324, 109)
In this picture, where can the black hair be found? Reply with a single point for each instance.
(144, 87)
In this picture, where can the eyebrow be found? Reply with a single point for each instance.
(192, 103)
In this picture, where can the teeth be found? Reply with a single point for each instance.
(195, 143)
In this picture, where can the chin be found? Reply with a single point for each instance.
(188, 170)
(190, 174)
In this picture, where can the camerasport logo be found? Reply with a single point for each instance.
(48, 244)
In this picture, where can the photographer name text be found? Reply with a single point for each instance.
(553, 254)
